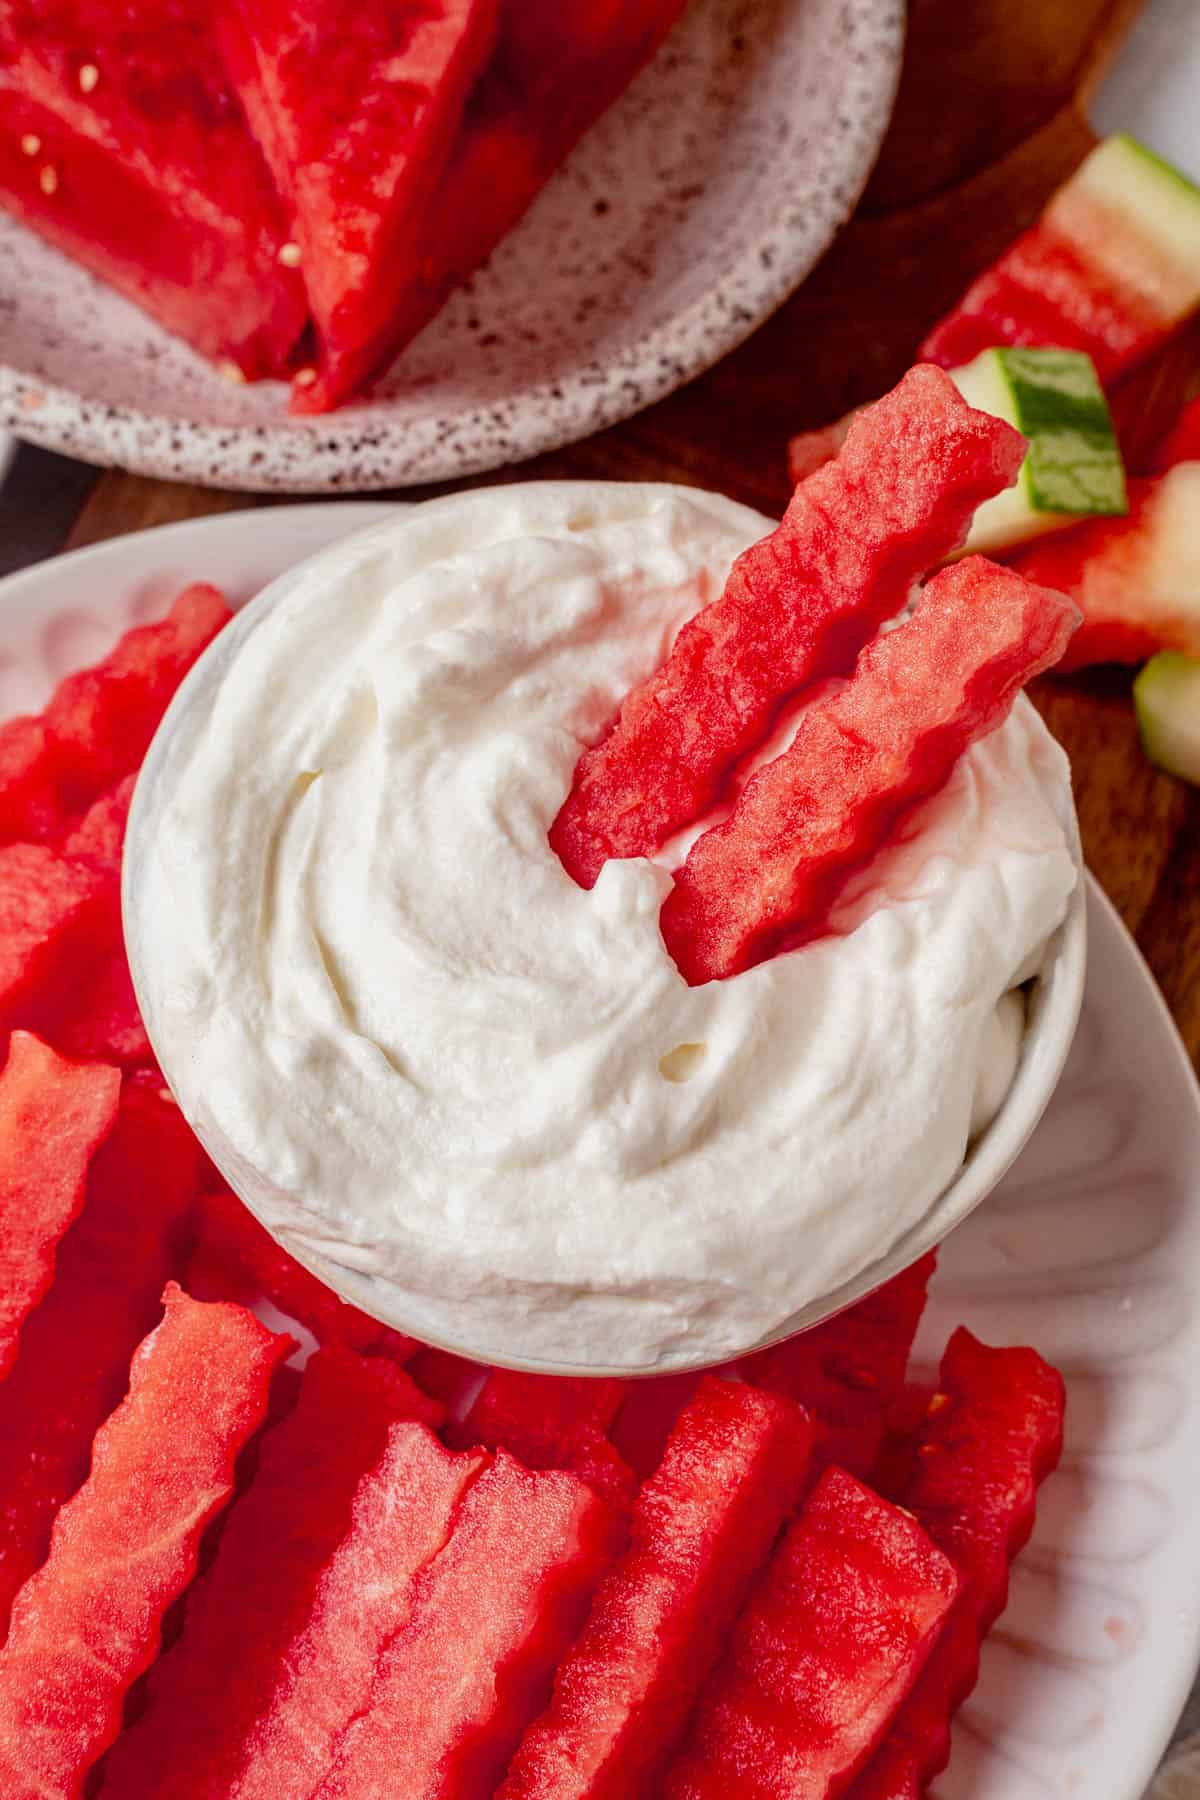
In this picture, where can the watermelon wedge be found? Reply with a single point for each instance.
(144, 169)
(918, 697)
(235, 1258)
(1136, 580)
(833, 1638)
(797, 607)
(992, 1433)
(88, 1623)
(648, 1417)
(702, 1527)
(99, 722)
(98, 838)
(53, 1117)
(73, 1361)
(1110, 268)
(493, 1614)
(849, 1371)
(405, 1512)
(357, 116)
(553, 1422)
(192, 1738)
(554, 70)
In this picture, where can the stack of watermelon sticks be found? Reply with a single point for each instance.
(802, 606)
(398, 1573)
(295, 188)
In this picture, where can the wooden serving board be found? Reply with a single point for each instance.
(990, 119)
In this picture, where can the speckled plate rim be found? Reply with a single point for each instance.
(544, 416)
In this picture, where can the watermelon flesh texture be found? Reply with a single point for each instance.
(72, 1365)
(918, 697)
(405, 1512)
(357, 117)
(51, 912)
(991, 1435)
(99, 721)
(53, 1117)
(702, 1527)
(1136, 580)
(1112, 266)
(553, 1422)
(493, 1615)
(554, 70)
(155, 181)
(30, 808)
(797, 607)
(88, 1622)
(193, 1739)
(849, 1371)
(833, 1638)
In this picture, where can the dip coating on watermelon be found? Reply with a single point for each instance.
(194, 1737)
(53, 1117)
(1136, 580)
(88, 1622)
(991, 1435)
(702, 1526)
(357, 114)
(1111, 267)
(832, 1639)
(493, 1614)
(147, 171)
(918, 697)
(797, 607)
(554, 70)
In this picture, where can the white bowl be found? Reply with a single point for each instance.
(1054, 1000)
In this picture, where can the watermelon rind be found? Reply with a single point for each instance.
(1166, 699)
(1158, 208)
(1073, 468)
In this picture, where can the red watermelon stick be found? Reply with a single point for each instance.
(88, 1623)
(702, 1527)
(992, 1433)
(918, 697)
(832, 1639)
(53, 1116)
(494, 1614)
(797, 607)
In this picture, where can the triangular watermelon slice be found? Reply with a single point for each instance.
(123, 142)
(357, 114)
(555, 69)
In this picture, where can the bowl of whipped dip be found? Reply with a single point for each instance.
(481, 1102)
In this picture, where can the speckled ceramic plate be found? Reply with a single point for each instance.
(685, 217)
(1090, 1249)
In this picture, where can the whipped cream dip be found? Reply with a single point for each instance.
(423, 1054)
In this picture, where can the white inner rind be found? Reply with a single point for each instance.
(423, 1052)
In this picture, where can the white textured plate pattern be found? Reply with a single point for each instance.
(687, 214)
(1090, 1249)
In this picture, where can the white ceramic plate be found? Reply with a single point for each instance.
(1089, 1249)
(688, 213)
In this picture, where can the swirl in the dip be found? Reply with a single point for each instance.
(429, 1056)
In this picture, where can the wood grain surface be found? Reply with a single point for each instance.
(990, 118)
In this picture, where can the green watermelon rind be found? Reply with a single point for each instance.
(1073, 469)
(1166, 700)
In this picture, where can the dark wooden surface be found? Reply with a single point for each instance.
(990, 118)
